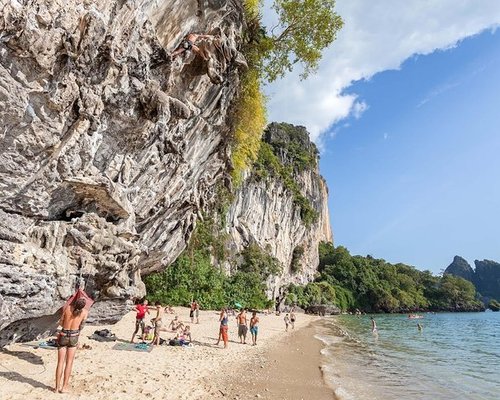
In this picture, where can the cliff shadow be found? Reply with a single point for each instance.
(24, 355)
(16, 376)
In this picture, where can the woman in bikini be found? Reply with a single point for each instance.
(72, 321)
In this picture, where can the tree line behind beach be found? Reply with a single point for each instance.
(374, 285)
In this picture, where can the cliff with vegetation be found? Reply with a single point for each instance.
(485, 276)
(374, 285)
(119, 160)
(259, 239)
(282, 207)
(111, 149)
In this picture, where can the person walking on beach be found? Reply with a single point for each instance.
(223, 319)
(157, 323)
(141, 309)
(287, 322)
(254, 328)
(292, 319)
(72, 321)
(374, 325)
(194, 305)
(242, 326)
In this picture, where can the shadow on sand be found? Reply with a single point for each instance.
(15, 376)
(24, 355)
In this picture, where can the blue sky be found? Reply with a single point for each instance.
(405, 109)
(416, 178)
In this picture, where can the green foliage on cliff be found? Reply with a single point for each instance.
(258, 262)
(304, 30)
(251, 120)
(295, 264)
(269, 165)
(192, 275)
(374, 285)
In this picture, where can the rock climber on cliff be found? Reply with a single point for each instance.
(188, 43)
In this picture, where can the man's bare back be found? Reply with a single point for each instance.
(70, 321)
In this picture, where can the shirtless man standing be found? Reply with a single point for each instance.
(72, 320)
(157, 322)
(242, 326)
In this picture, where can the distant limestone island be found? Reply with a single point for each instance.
(485, 277)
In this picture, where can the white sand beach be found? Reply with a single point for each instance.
(166, 372)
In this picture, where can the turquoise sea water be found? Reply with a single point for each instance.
(455, 356)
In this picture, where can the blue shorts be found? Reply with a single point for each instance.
(254, 330)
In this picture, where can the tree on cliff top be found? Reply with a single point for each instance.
(304, 29)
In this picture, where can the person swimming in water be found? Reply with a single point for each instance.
(374, 325)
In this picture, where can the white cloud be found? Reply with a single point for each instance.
(377, 36)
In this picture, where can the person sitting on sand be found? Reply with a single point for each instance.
(287, 322)
(185, 335)
(254, 327)
(157, 323)
(72, 321)
(169, 309)
(242, 326)
(175, 324)
(188, 43)
(223, 319)
(141, 308)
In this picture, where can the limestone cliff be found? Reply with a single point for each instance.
(282, 206)
(110, 150)
(485, 276)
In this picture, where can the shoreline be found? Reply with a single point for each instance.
(168, 372)
(290, 370)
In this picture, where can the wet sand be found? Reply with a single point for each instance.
(290, 370)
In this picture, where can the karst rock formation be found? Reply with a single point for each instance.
(111, 150)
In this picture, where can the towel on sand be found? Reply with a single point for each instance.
(44, 344)
(142, 347)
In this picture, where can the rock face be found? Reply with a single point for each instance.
(485, 277)
(109, 148)
(460, 267)
(266, 211)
